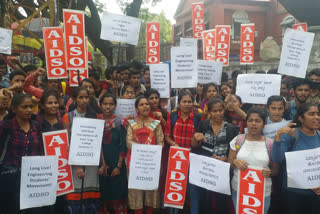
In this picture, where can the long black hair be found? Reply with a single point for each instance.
(301, 111)
(206, 88)
(47, 93)
(16, 100)
(151, 91)
(91, 111)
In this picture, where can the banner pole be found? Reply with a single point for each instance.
(78, 74)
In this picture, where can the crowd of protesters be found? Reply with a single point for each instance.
(209, 120)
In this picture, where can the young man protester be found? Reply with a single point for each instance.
(135, 81)
(314, 77)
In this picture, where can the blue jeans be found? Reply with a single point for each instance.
(267, 201)
(194, 195)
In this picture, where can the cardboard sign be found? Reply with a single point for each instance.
(189, 42)
(73, 76)
(270, 130)
(198, 19)
(300, 27)
(210, 173)
(223, 43)
(183, 67)
(5, 40)
(56, 143)
(209, 71)
(250, 192)
(125, 107)
(120, 28)
(153, 42)
(257, 88)
(55, 55)
(303, 168)
(160, 80)
(86, 139)
(295, 53)
(145, 167)
(177, 174)
(209, 44)
(38, 181)
(247, 44)
(74, 31)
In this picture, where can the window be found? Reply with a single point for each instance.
(238, 17)
(188, 31)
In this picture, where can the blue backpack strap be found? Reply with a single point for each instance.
(240, 141)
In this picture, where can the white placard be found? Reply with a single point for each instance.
(209, 71)
(183, 67)
(209, 173)
(5, 40)
(125, 107)
(145, 166)
(188, 42)
(303, 168)
(86, 139)
(160, 80)
(271, 129)
(295, 53)
(39, 175)
(120, 28)
(257, 88)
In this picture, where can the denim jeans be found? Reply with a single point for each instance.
(194, 195)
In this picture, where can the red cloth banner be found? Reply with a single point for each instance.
(300, 27)
(75, 38)
(198, 19)
(177, 177)
(247, 44)
(223, 43)
(73, 76)
(56, 143)
(153, 42)
(250, 192)
(209, 44)
(54, 50)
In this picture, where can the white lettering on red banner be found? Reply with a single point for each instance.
(223, 43)
(198, 19)
(247, 44)
(300, 27)
(75, 75)
(250, 192)
(56, 143)
(153, 42)
(54, 50)
(75, 38)
(177, 174)
(209, 44)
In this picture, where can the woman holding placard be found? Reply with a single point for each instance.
(287, 139)
(143, 130)
(252, 150)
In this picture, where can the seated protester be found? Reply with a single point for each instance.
(314, 77)
(146, 77)
(275, 107)
(212, 139)
(100, 87)
(210, 91)
(225, 89)
(135, 81)
(86, 174)
(302, 91)
(23, 137)
(287, 139)
(234, 113)
(5, 96)
(253, 149)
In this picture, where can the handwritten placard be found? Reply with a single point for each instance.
(145, 167)
(188, 42)
(295, 53)
(160, 80)
(5, 40)
(257, 88)
(209, 71)
(120, 28)
(303, 168)
(125, 107)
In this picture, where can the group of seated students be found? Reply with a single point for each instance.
(208, 120)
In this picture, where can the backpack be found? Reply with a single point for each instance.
(296, 138)
(174, 118)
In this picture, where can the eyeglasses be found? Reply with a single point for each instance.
(129, 92)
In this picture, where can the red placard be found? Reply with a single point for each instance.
(73, 76)
(209, 44)
(153, 42)
(300, 27)
(247, 44)
(55, 55)
(250, 192)
(177, 176)
(75, 38)
(198, 19)
(223, 43)
(56, 143)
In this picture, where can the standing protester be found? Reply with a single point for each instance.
(5, 96)
(135, 81)
(210, 91)
(314, 77)
(275, 106)
(146, 77)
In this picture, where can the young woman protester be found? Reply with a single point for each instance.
(305, 136)
(253, 149)
(22, 137)
(276, 107)
(210, 91)
(212, 140)
(225, 89)
(88, 174)
(143, 130)
(234, 113)
(113, 173)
